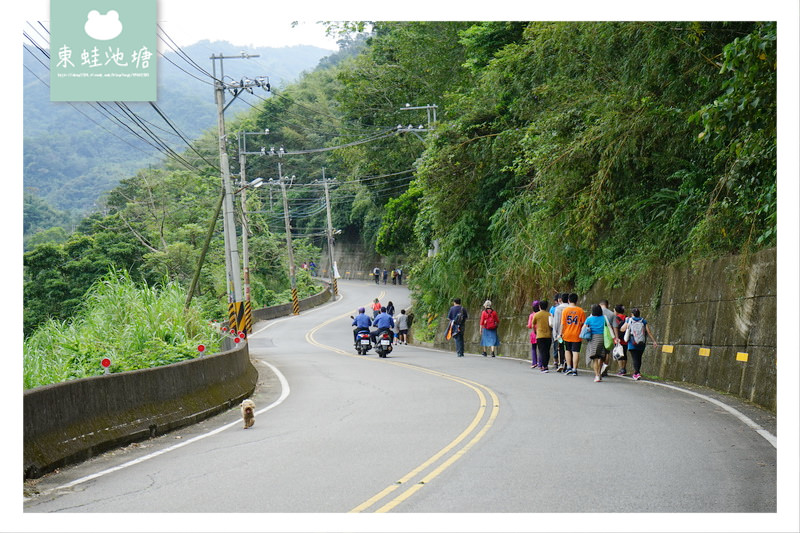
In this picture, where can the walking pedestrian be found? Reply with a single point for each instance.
(376, 308)
(556, 302)
(595, 350)
(402, 323)
(637, 330)
(376, 272)
(619, 319)
(395, 327)
(489, 323)
(457, 316)
(399, 276)
(541, 326)
(572, 319)
(561, 359)
(534, 354)
(385, 276)
(608, 314)
(390, 308)
(394, 277)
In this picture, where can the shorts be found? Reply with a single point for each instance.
(403, 331)
(574, 347)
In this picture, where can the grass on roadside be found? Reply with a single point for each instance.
(134, 326)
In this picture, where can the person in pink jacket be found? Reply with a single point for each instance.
(534, 355)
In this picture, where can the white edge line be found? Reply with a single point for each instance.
(769, 437)
(772, 439)
(285, 390)
(284, 394)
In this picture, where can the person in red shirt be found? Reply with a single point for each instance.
(489, 323)
(572, 319)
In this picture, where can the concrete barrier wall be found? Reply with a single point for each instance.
(72, 421)
(75, 420)
(269, 313)
(727, 306)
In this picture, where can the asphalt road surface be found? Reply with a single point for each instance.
(424, 431)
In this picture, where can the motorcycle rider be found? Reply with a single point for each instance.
(361, 322)
(384, 322)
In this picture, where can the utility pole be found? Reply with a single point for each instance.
(334, 288)
(244, 186)
(292, 277)
(234, 282)
(245, 229)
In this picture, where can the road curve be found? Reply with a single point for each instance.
(425, 432)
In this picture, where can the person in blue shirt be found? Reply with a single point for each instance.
(361, 322)
(384, 322)
(595, 350)
(457, 316)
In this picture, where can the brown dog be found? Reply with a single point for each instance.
(248, 413)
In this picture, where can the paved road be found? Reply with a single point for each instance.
(424, 431)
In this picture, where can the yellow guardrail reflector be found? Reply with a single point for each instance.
(741, 356)
(705, 352)
(667, 348)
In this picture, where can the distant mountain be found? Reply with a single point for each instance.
(74, 152)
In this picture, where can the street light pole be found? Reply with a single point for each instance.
(292, 277)
(245, 229)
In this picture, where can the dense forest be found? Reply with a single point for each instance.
(562, 153)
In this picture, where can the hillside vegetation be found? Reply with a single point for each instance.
(562, 153)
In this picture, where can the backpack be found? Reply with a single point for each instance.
(459, 320)
(491, 319)
(638, 334)
(410, 319)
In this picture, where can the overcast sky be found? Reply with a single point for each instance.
(269, 23)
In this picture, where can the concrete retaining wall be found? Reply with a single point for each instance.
(72, 421)
(727, 306)
(354, 262)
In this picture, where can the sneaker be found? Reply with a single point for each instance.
(622, 372)
(597, 379)
(492, 355)
(484, 354)
(544, 371)
(574, 372)
(568, 371)
(637, 377)
(604, 370)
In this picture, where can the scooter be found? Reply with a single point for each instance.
(363, 343)
(383, 344)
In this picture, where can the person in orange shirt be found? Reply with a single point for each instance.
(572, 319)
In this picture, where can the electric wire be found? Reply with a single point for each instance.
(160, 145)
(90, 118)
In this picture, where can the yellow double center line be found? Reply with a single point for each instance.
(442, 459)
